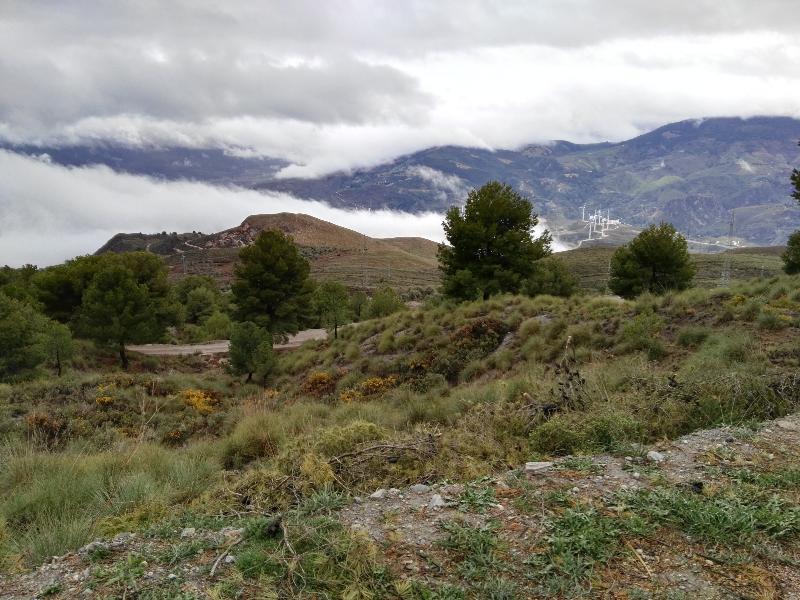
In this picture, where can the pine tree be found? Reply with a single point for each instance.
(655, 261)
(117, 310)
(271, 286)
(250, 350)
(791, 257)
(21, 350)
(490, 245)
(331, 303)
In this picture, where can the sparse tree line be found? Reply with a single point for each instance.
(121, 299)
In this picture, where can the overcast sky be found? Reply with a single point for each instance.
(333, 84)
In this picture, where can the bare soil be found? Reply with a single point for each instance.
(221, 346)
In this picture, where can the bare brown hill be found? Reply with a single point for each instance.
(335, 252)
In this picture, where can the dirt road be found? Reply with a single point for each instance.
(221, 346)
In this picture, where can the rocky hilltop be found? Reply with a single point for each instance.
(334, 252)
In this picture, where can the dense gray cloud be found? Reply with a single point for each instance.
(331, 85)
(338, 84)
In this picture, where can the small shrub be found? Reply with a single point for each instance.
(750, 310)
(557, 436)
(692, 336)
(386, 343)
(608, 432)
(254, 437)
(351, 395)
(638, 333)
(199, 400)
(46, 429)
(333, 441)
(529, 327)
(375, 386)
(319, 384)
(771, 321)
(428, 382)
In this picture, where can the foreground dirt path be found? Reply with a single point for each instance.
(413, 529)
(221, 346)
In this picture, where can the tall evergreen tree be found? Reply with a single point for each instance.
(331, 303)
(60, 289)
(57, 342)
(21, 350)
(490, 246)
(251, 350)
(117, 310)
(791, 258)
(655, 261)
(271, 286)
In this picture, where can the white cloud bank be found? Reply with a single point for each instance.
(49, 213)
(336, 85)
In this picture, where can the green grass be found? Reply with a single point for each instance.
(736, 515)
(591, 266)
(310, 556)
(578, 540)
(447, 403)
(476, 497)
(475, 550)
(60, 501)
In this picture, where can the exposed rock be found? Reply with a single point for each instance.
(231, 534)
(92, 547)
(188, 532)
(656, 457)
(437, 502)
(378, 494)
(537, 468)
(420, 488)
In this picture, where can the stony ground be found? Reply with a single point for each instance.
(416, 527)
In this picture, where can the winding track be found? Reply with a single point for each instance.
(221, 346)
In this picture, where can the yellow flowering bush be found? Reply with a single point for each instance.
(199, 400)
(319, 384)
(377, 385)
(104, 394)
(351, 395)
(373, 386)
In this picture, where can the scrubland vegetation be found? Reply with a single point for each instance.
(447, 392)
(458, 390)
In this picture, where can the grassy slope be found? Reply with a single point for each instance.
(450, 392)
(592, 264)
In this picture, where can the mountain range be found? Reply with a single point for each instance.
(693, 173)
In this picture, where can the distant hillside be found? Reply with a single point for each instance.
(335, 252)
(591, 265)
(691, 173)
(364, 263)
